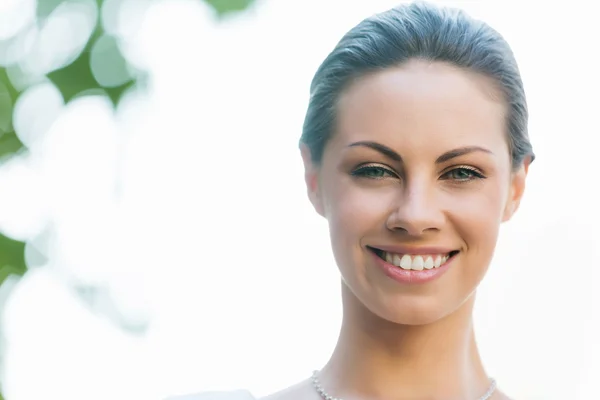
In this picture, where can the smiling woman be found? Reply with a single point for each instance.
(415, 149)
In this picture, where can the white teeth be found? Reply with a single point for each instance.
(416, 262)
(429, 263)
(405, 263)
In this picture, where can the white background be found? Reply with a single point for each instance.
(185, 213)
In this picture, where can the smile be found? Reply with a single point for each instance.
(416, 262)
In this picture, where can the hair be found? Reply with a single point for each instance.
(416, 31)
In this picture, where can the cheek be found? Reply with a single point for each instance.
(477, 217)
(355, 210)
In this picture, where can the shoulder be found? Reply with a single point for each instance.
(300, 391)
(233, 395)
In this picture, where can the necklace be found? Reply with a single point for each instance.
(325, 396)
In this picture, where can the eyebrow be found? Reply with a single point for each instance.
(391, 154)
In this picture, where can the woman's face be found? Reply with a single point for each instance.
(417, 171)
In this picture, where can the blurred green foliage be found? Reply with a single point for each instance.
(225, 7)
(71, 80)
(12, 260)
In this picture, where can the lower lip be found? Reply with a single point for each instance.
(412, 276)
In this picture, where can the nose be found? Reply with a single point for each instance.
(415, 211)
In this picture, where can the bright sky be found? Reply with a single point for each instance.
(183, 214)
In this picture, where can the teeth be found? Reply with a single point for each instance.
(429, 263)
(397, 261)
(416, 262)
(405, 263)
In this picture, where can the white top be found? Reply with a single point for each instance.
(233, 395)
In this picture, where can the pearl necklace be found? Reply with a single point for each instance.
(325, 396)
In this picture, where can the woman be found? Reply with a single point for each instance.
(415, 148)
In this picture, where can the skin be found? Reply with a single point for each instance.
(401, 341)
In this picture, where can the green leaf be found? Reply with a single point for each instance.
(9, 144)
(224, 7)
(77, 77)
(12, 258)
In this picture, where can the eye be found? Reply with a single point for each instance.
(463, 174)
(374, 172)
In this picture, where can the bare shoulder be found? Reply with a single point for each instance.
(300, 391)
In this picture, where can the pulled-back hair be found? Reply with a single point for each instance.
(417, 31)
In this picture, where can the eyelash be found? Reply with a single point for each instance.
(361, 172)
(474, 173)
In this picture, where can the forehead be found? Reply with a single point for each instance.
(423, 102)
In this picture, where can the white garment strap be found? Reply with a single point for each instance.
(232, 395)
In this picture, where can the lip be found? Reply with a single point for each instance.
(412, 276)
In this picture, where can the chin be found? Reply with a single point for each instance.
(410, 309)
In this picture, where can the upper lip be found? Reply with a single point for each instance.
(415, 249)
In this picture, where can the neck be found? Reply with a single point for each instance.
(377, 359)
